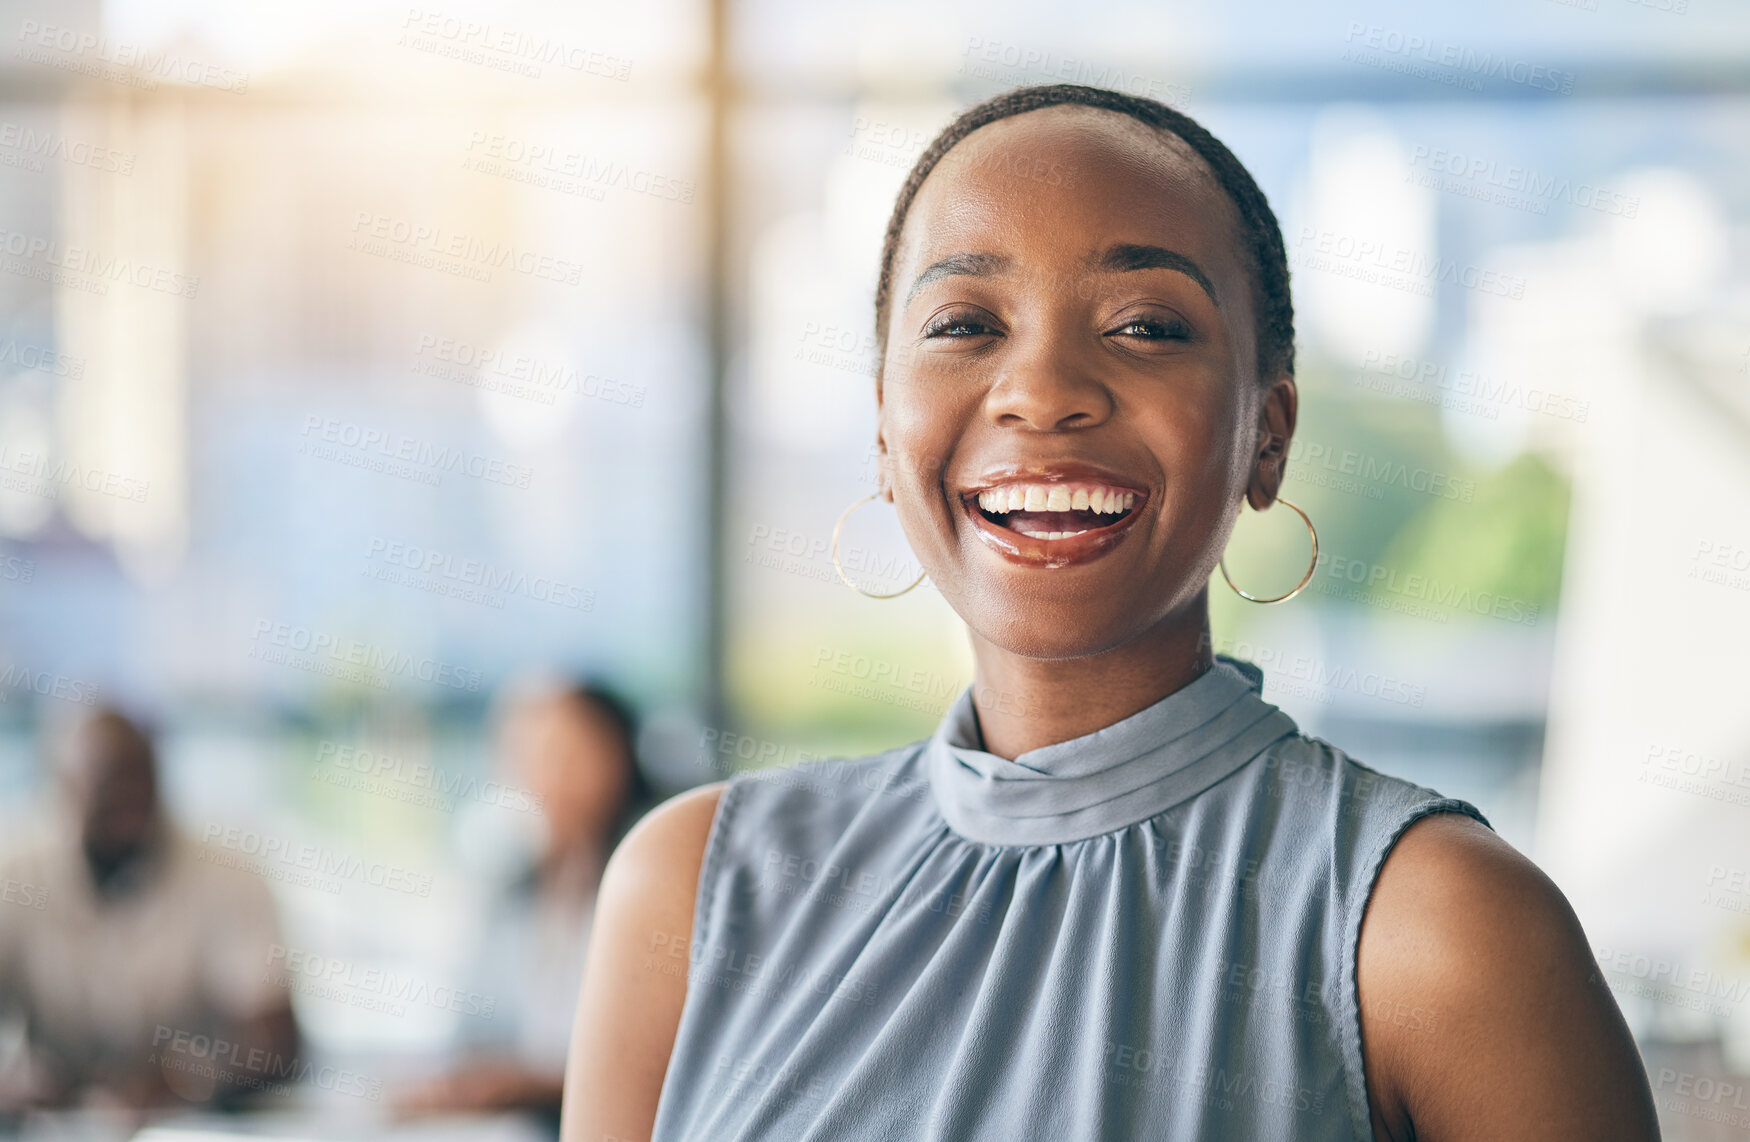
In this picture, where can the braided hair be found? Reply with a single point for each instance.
(1272, 305)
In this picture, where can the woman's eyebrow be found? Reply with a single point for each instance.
(1122, 258)
(1127, 256)
(977, 265)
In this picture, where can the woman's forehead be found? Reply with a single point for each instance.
(1062, 182)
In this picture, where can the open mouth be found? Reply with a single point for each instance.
(1055, 511)
(1052, 522)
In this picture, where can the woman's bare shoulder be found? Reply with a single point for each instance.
(635, 981)
(1483, 1013)
(656, 866)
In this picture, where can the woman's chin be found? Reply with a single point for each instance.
(1052, 632)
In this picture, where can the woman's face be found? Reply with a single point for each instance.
(570, 755)
(1070, 411)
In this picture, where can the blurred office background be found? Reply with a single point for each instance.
(358, 360)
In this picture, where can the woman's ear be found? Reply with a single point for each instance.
(1276, 419)
(883, 485)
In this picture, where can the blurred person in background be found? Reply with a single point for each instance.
(572, 747)
(134, 955)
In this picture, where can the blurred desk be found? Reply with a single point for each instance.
(287, 1126)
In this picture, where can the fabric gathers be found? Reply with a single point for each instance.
(1145, 932)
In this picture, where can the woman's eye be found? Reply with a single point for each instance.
(955, 327)
(1154, 330)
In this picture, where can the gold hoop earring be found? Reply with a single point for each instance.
(838, 527)
(1311, 566)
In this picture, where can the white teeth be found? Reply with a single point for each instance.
(1056, 498)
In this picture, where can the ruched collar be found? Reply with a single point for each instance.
(1127, 772)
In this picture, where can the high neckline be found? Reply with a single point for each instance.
(1127, 772)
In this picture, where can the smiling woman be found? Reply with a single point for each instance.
(1116, 894)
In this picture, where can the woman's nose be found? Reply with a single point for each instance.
(1047, 387)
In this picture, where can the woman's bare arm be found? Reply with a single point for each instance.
(635, 976)
(1484, 1014)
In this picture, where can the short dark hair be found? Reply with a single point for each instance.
(641, 795)
(1259, 228)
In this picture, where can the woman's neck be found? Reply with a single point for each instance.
(1026, 703)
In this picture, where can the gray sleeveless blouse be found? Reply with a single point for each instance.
(1147, 932)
